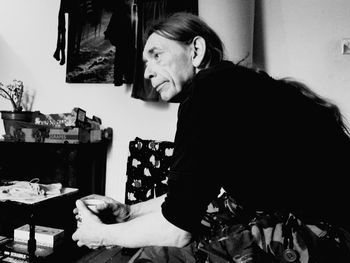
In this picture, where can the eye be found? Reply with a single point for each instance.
(157, 55)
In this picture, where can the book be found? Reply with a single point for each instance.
(14, 254)
(4, 240)
(44, 236)
(13, 260)
(19, 250)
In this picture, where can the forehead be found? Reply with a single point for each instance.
(157, 42)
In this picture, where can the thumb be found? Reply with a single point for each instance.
(82, 209)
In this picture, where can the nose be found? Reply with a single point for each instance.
(149, 72)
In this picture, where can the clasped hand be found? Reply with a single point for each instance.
(91, 222)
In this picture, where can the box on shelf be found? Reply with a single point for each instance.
(72, 128)
(76, 118)
(45, 236)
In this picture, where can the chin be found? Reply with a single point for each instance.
(165, 98)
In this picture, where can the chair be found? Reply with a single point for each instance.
(147, 166)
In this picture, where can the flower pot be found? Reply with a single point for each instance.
(16, 120)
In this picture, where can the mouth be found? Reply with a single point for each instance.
(160, 86)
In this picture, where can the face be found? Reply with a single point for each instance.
(168, 65)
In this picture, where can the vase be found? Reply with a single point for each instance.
(16, 120)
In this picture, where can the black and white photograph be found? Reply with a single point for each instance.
(174, 131)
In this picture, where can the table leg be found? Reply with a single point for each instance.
(31, 240)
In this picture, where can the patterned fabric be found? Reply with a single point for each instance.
(147, 169)
(231, 235)
(278, 237)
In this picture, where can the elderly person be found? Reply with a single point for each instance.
(273, 145)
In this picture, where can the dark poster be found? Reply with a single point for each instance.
(92, 29)
(90, 56)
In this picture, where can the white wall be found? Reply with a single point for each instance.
(302, 39)
(28, 33)
(233, 21)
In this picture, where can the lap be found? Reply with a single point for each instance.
(165, 255)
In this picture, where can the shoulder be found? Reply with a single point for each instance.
(225, 70)
(226, 81)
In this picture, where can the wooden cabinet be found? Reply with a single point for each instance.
(81, 166)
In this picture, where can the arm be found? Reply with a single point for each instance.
(142, 208)
(146, 227)
(151, 229)
(119, 211)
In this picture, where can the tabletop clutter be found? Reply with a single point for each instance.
(70, 127)
(22, 190)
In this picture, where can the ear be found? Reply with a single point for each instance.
(198, 51)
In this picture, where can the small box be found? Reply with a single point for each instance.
(44, 236)
(76, 118)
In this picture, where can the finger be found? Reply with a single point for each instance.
(92, 247)
(74, 236)
(80, 244)
(94, 202)
(83, 210)
(92, 196)
(100, 205)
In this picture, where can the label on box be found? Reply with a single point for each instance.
(75, 135)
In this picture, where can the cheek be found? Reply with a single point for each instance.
(183, 71)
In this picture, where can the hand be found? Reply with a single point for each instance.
(107, 209)
(88, 232)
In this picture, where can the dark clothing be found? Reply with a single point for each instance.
(120, 33)
(270, 147)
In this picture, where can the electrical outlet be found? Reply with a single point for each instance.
(345, 46)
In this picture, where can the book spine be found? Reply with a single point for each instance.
(8, 259)
(16, 254)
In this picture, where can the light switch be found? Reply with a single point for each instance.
(345, 46)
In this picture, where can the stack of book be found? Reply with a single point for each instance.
(16, 249)
(44, 236)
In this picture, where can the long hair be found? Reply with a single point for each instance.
(184, 27)
(316, 98)
(303, 89)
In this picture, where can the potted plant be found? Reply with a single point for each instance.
(22, 102)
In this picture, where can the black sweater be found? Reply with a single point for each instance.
(269, 146)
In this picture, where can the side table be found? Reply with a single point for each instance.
(33, 204)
